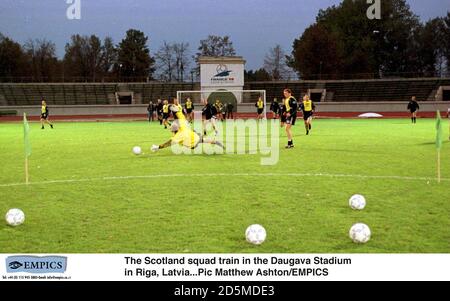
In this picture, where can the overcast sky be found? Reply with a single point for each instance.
(254, 25)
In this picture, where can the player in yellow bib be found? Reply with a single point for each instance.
(290, 113)
(308, 108)
(44, 115)
(189, 106)
(165, 114)
(184, 136)
(260, 108)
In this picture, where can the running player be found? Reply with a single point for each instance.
(209, 113)
(291, 105)
(308, 108)
(44, 115)
(413, 107)
(185, 136)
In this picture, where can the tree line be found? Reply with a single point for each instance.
(342, 42)
(88, 58)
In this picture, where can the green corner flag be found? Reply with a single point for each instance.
(438, 130)
(26, 136)
(438, 143)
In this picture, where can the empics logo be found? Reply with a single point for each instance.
(15, 265)
(223, 75)
(35, 264)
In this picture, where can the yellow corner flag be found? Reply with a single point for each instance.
(27, 144)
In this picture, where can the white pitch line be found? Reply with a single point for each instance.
(327, 175)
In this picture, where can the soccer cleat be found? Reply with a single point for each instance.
(51, 125)
(42, 127)
(307, 133)
(289, 146)
(154, 148)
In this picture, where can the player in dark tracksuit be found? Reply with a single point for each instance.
(275, 108)
(413, 107)
(209, 113)
(159, 111)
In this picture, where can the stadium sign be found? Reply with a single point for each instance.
(219, 72)
(223, 75)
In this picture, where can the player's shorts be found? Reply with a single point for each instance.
(260, 111)
(291, 119)
(44, 116)
(307, 115)
(165, 115)
(189, 111)
(413, 111)
(283, 118)
(294, 119)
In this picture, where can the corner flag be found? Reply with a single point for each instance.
(26, 138)
(27, 144)
(438, 143)
(439, 130)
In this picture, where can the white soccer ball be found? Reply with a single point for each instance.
(15, 217)
(255, 234)
(137, 150)
(357, 202)
(360, 233)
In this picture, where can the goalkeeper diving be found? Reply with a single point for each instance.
(183, 135)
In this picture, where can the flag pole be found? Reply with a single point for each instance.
(27, 146)
(26, 171)
(438, 144)
(439, 165)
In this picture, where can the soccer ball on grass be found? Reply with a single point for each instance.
(255, 234)
(137, 150)
(15, 217)
(357, 202)
(360, 233)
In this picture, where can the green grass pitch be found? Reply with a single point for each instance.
(90, 194)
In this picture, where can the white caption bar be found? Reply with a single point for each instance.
(235, 267)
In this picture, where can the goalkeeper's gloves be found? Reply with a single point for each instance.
(155, 148)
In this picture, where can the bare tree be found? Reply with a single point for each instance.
(275, 63)
(166, 62)
(41, 58)
(181, 53)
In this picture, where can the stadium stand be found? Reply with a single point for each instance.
(21, 94)
(13, 94)
(358, 90)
